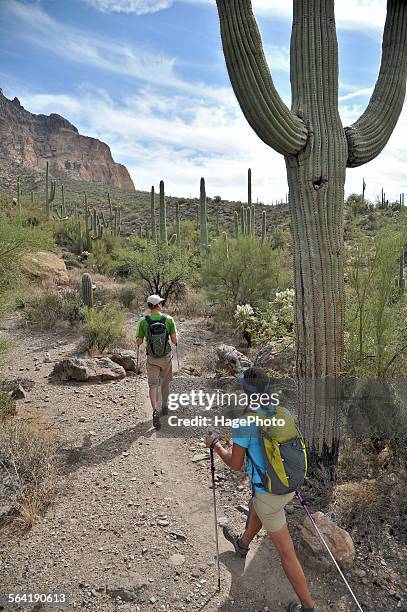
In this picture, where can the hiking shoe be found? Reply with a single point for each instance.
(293, 606)
(164, 410)
(233, 537)
(156, 420)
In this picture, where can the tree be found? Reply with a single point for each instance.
(317, 150)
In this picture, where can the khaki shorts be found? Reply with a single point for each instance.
(159, 368)
(270, 509)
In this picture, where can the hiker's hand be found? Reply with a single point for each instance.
(209, 439)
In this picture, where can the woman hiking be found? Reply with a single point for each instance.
(266, 508)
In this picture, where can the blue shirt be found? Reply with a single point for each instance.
(248, 436)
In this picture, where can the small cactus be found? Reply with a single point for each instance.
(225, 238)
(80, 237)
(236, 219)
(173, 239)
(263, 226)
(87, 290)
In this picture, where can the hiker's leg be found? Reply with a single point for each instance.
(165, 391)
(152, 392)
(291, 565)
(253, 526)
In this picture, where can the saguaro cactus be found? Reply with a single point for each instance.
(249, 186)
(236, 220)
(49, 192)
(263, 226)
(87, 290)
(178, 223)
(203, 217)
(152, 213)
(163, 215)
(317, 150)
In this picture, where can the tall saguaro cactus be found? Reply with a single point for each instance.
(163, 215)
(152, 213)
(317, 150)
(203, 217)
(49, 192)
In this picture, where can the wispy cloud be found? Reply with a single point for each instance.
(356, 94)
(350, 14)
(31, 23)
(138, 7)
(182, 138)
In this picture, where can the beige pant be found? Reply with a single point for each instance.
(270, 509)
(158, 368)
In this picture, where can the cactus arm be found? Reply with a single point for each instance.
(371, 132)
(251, 80)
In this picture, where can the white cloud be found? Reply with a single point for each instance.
(139, 7)
(30, 22)
(180, 139)
(278, 57)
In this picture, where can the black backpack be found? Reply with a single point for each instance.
(157, 337)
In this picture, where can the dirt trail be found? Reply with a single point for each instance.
(123, 492)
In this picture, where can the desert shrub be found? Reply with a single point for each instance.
(103, 328)
(357, 204)
(16, 239)
(5, 346)
(48, 309)
(376, 309)
(7, 406)
(27, 469)
(160, 269)
(127, 295)
(192, 304)
(251, 274)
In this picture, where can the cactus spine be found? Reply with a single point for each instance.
(152, 213)
(49, 192)
(87, 290)
(317, 185)
(163, 215)
(203, 218)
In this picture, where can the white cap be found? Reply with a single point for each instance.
(154, 300)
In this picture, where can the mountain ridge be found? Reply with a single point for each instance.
(28, 141)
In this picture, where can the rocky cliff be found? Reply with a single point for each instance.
(28, 141)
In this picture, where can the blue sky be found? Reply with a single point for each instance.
(148, 77)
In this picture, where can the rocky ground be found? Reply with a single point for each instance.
(131, 526)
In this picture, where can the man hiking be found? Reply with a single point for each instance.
(158, 328)
(266, 508)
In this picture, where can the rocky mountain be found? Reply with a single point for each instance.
(28, 141)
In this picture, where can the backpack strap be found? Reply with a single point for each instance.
(259, 471)
(149, 320)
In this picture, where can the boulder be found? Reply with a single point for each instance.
(88, 370)
(278, 356)
(338, 540)
(46, 267)
(231, 360)
(127, 359)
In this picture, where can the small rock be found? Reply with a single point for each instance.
(177, 560)
(82, 419)
(199, 457)
(163, 522)
(18, 393)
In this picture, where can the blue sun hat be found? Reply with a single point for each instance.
(252, 390)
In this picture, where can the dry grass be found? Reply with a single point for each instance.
(192, 305)
(27, 470)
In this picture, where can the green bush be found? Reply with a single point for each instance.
(127, 295)
(376, 308)
(251, 274)
(7, 406)
(161, 269)
(103, 328)
(50, 308)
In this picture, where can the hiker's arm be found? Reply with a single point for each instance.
(233, 458)
(174, 338)
(139, 341)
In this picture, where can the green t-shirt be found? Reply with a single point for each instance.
(142, 325)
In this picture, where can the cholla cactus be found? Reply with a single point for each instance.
(245, 322)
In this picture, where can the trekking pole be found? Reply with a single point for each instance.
(176, 350)
(212, 446)
(311, 518)
(138, 360)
